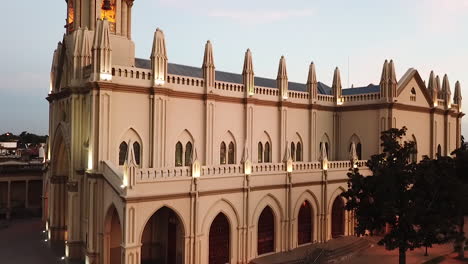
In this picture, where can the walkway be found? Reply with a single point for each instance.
(23, 243)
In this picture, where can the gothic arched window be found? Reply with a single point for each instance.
(299, 151)
(178, 154)
(439, 151)
(137, 152)
(293, 151)
(231, 154)
(260, 152)
(222, 153)
(188, 154)
(267, 153)
(359, 150)
(123, 148)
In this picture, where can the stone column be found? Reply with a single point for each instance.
(91, 254)
(129, 21)
(92, 16)
(124, 18)
(131, 246)
(131, 254)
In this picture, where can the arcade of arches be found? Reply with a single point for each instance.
(163, 238)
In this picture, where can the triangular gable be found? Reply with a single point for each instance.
(407, 77)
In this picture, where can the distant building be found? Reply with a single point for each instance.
(158, 162)
(20, 188)
(8, 148)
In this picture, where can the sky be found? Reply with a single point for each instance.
(422, 34)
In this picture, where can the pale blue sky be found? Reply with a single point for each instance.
(427, 35)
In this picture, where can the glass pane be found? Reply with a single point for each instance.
(188, 154)
(222, 153)
(178, 154)
(122, 153)
(260, 152)
(231, 154)
(136, 151)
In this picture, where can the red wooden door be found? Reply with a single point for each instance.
(266, 232)
(338, 218)
(304, 228)
(219, 240)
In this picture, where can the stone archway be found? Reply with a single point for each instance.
(219, 240)
(58, 193)
(266, 232)
(163, 238)
(305, 224)
(112, 237)
(338, 218)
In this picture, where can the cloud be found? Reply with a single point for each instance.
(260, 17)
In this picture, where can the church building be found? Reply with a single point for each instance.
(150, 161)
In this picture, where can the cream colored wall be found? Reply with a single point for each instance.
(229, 117)
(365, 125)
(266, 119)
(405, 95)
(123, 107)
(418, 124)
(439, 132)
(298, 127)
(325, 126)
(184, 114)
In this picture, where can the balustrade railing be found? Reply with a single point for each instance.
(134, 175)
(150, 174)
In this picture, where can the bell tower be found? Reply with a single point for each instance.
(84, 13)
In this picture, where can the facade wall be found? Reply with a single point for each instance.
(99, 99)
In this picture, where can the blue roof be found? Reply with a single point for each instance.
(222, 76)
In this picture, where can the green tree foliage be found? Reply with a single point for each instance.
(435, 193)
(461, 174)
(386, 197)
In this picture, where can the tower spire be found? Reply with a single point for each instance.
(388, 81)
(336, 86)
(312, 81)
(393, 80)
(282, 78)
(457, 97)
(446, 93)
(432, 88)
(102, 52)
(159, 58)
(208, 66)
(248, 74)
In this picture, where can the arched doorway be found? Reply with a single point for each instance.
(266, 232)
(163, 238)
(58, 194)
(304, 224)
(112, 237)
(338, 218)
(219, 241)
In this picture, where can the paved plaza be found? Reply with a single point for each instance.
(23, 242)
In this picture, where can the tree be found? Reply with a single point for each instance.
(386, 197)
(461, 169)
(435, 190)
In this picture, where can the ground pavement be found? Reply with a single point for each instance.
(378, 254)
(22, 242)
